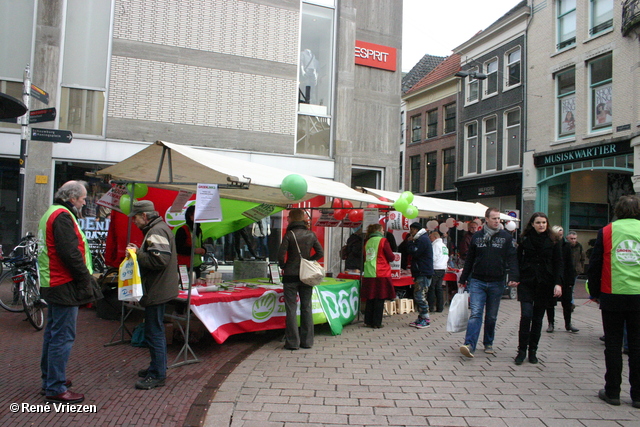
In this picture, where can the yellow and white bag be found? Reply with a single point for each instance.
(129, 281)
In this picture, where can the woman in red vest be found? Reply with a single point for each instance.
(376, 282)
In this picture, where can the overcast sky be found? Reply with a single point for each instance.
(437, 26)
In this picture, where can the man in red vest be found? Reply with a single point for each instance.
(66, 282)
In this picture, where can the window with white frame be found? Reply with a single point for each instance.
(416, 128)
(566, 96)
(432, 170)
(432, 123)
(490, 145)
(491, 82)
(472, 86)
(600, 83)
(566, 23)
(450, 118)
(511, 135)
(600, 16)
(512, 67)
(471, 148)
(401, 127)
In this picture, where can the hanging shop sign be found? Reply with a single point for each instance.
(603, 150)
(375, 56)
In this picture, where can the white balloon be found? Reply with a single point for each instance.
(431, 225)
(462, 226)
(450, 222)
(444, 228)
(510, 225)
(500, 226)
(478, 221)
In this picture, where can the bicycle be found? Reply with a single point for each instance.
(97, 247)
(21, 283)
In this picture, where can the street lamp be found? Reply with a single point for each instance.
(473, 74)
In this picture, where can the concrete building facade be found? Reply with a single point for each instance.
(306, 85)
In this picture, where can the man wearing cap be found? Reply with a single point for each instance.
(157, 258)
(66, 282)
(421, 251)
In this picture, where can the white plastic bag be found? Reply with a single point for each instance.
(458, 312)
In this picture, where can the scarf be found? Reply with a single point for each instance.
(489, 233)
(419, 233)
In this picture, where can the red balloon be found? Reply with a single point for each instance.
(373, 205)
(337, 203)
(339, 214)
(356, 215)
(347, 204)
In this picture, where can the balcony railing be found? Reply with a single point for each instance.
(630, 16)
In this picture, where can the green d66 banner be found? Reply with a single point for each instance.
(340, 301)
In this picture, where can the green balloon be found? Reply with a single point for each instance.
(125, 204)
(139, 190)
(401, 205)
(408, 196)
(294, 187)
(411, 212)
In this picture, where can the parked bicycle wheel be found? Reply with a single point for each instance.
(10, 298)
(33, 307)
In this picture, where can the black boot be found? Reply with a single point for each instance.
(522, 354)
(532, 357)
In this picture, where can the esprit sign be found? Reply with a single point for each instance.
(375, 55)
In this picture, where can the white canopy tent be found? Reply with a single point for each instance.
(430, 206)
(174, 166)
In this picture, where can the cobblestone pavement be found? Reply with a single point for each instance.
(106, 376)
(402, 376)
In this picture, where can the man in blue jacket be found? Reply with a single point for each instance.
(492, 254)
(421, 251)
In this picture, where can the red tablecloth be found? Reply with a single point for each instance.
(397, 281)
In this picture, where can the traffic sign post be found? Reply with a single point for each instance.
(51, 135)
(39, 94)
(40, 116)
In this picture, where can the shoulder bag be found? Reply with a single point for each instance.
(311, 272)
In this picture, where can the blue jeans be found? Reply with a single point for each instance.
(420, 290)
(156, 340)
(59, 336)
(481, 294)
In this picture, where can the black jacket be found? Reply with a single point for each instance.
(307, 240)
(491, 262)
(541, 268)
(421, 252)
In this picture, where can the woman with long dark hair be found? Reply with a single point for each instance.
(540, 260)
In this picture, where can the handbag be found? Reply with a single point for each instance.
(458, 312)
(129, 281)
(311, 272)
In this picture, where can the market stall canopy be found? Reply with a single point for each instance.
(431, 206)
(11, 107)
(175, 167)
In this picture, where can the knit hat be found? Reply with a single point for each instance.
(141, 206)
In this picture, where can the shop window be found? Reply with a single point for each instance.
(415, 173)
(490, 146)
(13, 89)
(601, 16)
(315, 80)
(448, 168)
(472, 86)
(9, 232)
(511, 145)
(432, 170)
(566, 18)
(432, 124)
(95, 218)
(566, 99)
(512, 68)
(491, 82)
(82, 110)
(588, 216)
(416, 128)
(471, 149)
(600, 82)
(450, 118)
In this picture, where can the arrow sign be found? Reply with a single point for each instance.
(51, 135)
(39, 116)
(39, 94)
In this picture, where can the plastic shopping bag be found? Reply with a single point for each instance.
(458, 312)
(129, 282)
